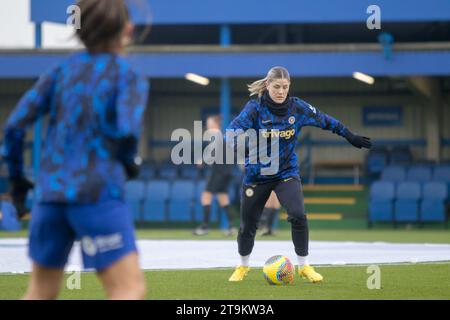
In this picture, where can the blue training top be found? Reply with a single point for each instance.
(92, 100)
(256, 115)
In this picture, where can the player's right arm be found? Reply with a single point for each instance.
(244, 121)
(36, 102)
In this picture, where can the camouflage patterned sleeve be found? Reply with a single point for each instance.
(35, 103)
(131, 104)
(246, 118)
(244, 121)
(311, 116)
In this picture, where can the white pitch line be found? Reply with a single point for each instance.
(201, 254)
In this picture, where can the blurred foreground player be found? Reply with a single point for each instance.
(95, 102)
(217, 183)
(276, 115)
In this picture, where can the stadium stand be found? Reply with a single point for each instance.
(382, 194)
(419, 196)
(156, 200)
(394, 174)
(432, 208)
(181, 201)
(419, 173)
(406, 205)
(134, 195)
(8, 217)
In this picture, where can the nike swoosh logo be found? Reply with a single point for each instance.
(266, 121)
(286, 180)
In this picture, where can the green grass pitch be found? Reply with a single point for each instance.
(402, 281)
(419, 281)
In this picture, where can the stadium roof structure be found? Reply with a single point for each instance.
(242, 61)
(159, 12)
(227, 59)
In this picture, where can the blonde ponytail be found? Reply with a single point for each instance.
(258, 87)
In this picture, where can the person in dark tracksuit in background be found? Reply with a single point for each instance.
(275, 114)
(95, 102)
(269, 214)
(217, 183)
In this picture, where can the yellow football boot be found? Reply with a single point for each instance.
(239, 273)
(308, 272)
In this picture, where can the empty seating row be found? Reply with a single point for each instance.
(171, 171)
(160, 200)
(416, 173)
(163, 200)
(408, 202)
(380, 157)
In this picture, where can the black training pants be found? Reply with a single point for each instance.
(254, 197)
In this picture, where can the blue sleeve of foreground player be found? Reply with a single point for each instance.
(131, 105)
(35, 103)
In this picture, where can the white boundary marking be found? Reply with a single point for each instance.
(222, 254)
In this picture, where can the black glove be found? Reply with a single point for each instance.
(132, 169)
(18, 190)
(358, 141)
(124, 149)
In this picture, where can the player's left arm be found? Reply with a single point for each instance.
(311, 116)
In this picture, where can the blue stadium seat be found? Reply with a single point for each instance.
(407, 202)
(420, 174)
(382, 194)
(181, 201)
(394, 174)
(199, 188)
(400, 155)
(442, 174)
(425, 163)
(155, 203)
(190, 172)
(8, 220)
(433, 204)
(377, 159)
(376, 163)
(168, 171)
(147, 172)
(134, 196)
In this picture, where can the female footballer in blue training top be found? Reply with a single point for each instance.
(95, 102)
(276, 110)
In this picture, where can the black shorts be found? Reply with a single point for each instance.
(218, 183)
